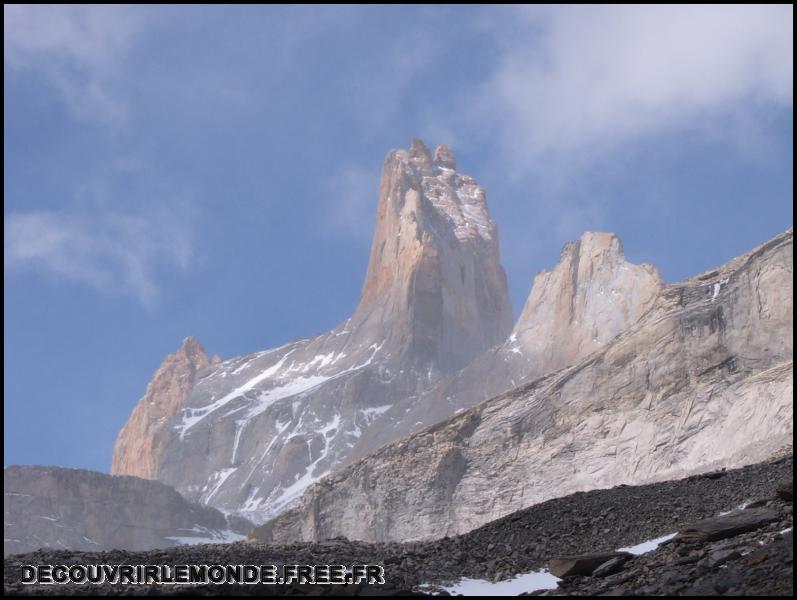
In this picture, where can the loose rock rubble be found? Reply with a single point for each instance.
(600, 521)
(750, 564)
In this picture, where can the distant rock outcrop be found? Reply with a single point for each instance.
(56, 508)
(137, 450)
(592, 296)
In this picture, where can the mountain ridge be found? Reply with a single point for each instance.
(699, 307)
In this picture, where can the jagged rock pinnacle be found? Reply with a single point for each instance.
(443, 157)
(136, 451)
(434, 276)
(419, 151)
(248, 434)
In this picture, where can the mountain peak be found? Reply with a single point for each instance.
(434, 272)
(602, 239)
(444, 157)
(593, 245)
(135, 451)
(250, 433)
(192, 347)
(419, 152)
(591, 296)
(429, 336)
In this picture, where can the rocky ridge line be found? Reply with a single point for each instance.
(711, 360)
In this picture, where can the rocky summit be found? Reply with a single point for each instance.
(431, 335)
(249, 434)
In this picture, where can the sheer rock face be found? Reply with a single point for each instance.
(592, 295)
(703, 380)
(52, 507)
(248, 435)
(435, 289)
(137, 447)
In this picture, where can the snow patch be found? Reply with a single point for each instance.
(717, 287)
(221, 477)
(370, 414)
(525, 582)
(193, 416)
(206, 536)
(239, 427)
(296, 489)
(322, 360)
(742, 506)
(647, 546)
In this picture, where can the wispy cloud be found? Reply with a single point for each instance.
(580, 81)
(353, 194)
(112, 252)
(380, 94)
(76, 49)
(122, 231)
(575, 94)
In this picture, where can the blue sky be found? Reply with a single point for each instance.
(213, 171)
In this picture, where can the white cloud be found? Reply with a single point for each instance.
(76, 49)
(581, 81)
(113, 252)
(353, 192)
(122, 231)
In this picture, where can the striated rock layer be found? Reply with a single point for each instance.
(251, 433)
(57, 508)
(703, 380)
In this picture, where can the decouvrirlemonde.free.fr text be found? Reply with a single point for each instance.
(202, 574)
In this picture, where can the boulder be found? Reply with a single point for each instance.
(610, 567)
(719, 528)
(571, 566)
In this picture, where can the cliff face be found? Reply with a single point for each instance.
(137, 448)
(703, 380)
(435, 289)
(52, 507)
(592, 295)
(251, 433)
